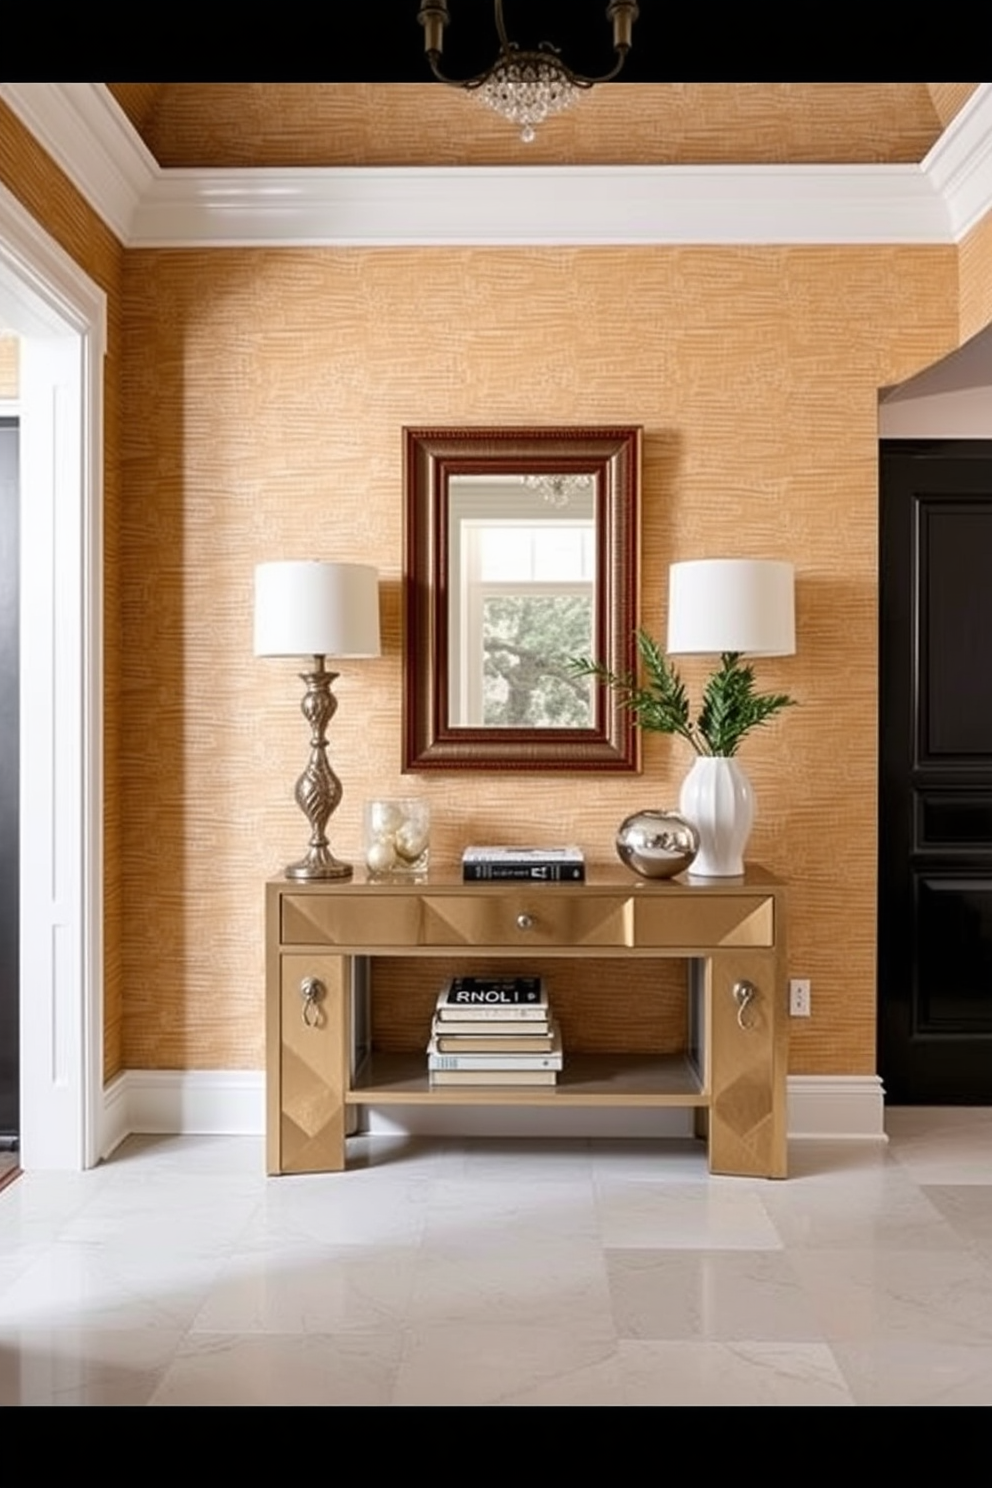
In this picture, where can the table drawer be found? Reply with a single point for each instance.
(525, 917)
(745, 920)
(351, 920)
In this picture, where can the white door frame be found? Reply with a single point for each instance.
(60, 315)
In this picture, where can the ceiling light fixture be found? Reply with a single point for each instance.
(525, 87)
(558, 490)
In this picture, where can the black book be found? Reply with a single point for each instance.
(492, 992)
(532, 864)
(529, 872)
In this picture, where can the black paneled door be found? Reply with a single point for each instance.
(9, 778)
(935, 780)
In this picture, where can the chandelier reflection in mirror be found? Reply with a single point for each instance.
(558, 490)
(525, 87)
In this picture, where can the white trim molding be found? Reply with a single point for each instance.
(183, 1102)
(232, 1103)
(836, 1106)
(960, 164)
(89, 136)
(540, 206)
(85, 131)
(60, 315)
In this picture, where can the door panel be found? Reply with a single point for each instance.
(9, 779)
(935, 772)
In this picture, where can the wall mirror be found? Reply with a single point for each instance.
(521, 550)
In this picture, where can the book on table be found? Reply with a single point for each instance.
(473, 998)
(494, 1036)
(497, 1060)
(483, 1078)
(536, 864)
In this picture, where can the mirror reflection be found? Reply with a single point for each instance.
(522, 599)
(520, 552)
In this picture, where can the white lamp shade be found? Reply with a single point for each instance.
(732, 604)
(316, 609)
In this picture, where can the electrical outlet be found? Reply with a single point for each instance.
(800, 998)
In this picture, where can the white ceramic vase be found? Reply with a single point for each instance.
(717, 798)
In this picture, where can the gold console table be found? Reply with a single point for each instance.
(322, 937)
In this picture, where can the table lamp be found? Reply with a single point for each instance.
(319, 610)
(727, 607)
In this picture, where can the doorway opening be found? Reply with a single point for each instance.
(59, 315)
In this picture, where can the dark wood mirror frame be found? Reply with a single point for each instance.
(431, 458)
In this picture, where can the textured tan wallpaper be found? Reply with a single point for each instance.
(29, 173)
(9, 361)
(976, 278)
(264, 395)
(949, 98)
(242, 124)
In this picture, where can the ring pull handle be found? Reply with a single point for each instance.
(744, 994)
(525, 921)
(313, 991)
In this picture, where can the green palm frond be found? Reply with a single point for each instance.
(731, 707)
(662, 706)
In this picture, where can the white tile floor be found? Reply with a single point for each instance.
(505, 1272)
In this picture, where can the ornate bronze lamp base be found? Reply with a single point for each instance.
(318, 789)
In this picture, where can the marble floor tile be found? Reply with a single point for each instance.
(942, 1144)
(514, 1284)
(719, 1214)
(967, 1208)
(492, 1362)
(740, 1373)
(503, 1271)
(70, 1365)
(335, 1289)
(715, 1295)
(929, 1373)
(875, 1213)
(913, 1296)
(302, 1369)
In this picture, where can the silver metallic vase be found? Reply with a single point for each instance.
(657, 844)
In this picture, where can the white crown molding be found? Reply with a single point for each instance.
(960, 164)
(90, 137)
(458, 206)
(232, 1102)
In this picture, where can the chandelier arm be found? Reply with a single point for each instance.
(433, 16)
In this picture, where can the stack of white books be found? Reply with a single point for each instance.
(494, 1031)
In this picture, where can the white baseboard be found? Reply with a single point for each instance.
(836, 1106)
(232, 1102)
(184, 1103)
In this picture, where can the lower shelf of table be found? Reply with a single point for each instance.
(586, 1080)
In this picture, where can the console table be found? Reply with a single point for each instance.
(322, 937)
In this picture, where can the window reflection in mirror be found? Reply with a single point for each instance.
(522, 595)
(520, 551)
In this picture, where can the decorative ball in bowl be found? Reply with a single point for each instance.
(657, 844)
(397, 837)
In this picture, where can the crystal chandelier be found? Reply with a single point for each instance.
(525, 87)
(558, 490)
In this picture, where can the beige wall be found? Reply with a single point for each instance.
(293, 124)
(9, 363)
(975, 256)
(264, 396)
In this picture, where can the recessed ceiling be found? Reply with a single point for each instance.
(423, 123)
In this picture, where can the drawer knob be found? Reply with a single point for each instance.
(525, 921)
